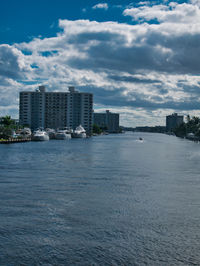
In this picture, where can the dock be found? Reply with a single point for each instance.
(9, 141)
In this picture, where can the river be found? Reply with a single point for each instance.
(106, 200)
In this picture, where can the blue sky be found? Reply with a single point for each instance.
(22, 20)
(139, 58)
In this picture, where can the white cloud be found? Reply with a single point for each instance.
(144, 71)
(172, 13)
(101, 6)
(12, 62)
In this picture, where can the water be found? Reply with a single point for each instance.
(107, 200)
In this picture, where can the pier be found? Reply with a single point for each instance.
(9, 141)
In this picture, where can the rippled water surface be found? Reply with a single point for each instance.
(107, 200)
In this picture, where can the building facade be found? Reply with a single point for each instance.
(56, 109)
(108, 121)
(172, 121)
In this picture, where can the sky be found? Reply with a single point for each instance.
(139, 58)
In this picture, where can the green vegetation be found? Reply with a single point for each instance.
(99, 129)
(7, 127)
(120, 129)
(5, 132)
(96, 129)
(7, 121)
(191, 126)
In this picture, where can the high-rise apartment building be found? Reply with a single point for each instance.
(56, 109)
(108, 121)
(172, 121)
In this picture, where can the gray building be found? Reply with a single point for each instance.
(172, 121)
(108, 121)
(56, 109)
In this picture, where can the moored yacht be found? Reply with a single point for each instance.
(63, 133)
(25, 132)
(40, 135)
(79, 132)
(51, 132)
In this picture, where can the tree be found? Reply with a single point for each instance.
(7, 121)
(181, 130)
(5, 132)
(96, 129)
(191, 126)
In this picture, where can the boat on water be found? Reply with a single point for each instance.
(51, 132)
(25, 132)
(79, 132)
(63, 133)
(40, 135)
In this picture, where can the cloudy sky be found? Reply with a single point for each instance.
(141, 59)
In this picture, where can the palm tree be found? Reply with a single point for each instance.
(7, 121)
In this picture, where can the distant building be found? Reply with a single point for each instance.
(56, 109)
(172, 121)
(108, 121)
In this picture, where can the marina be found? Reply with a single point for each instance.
(25, 135)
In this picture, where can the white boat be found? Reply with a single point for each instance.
(25, 132)
(40, 135)
(79, 132)
(51, 132)
(191, 136)
(63, 133)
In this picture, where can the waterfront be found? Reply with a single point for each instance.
(106, 200)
